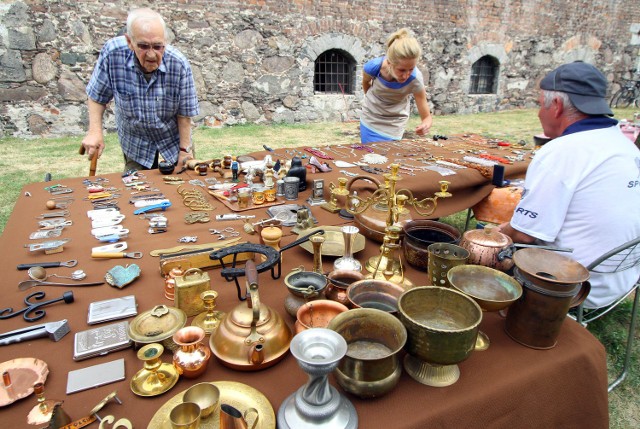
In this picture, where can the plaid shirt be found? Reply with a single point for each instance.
(146, 112)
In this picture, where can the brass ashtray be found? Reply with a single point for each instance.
(334, 241)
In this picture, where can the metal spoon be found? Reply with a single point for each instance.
(28, 284)
(40, 274)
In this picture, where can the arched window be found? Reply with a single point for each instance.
(484, 76)
(334, 72)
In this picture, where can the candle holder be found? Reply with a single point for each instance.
(387, 199)
(388, 264)
(317, 404)
(42, 412)
(316, 242)
(340, 190)
(348, 262)
(156, 377)
(210, 319)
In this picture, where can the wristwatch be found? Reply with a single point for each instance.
(187, 149)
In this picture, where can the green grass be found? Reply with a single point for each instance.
(27, 161)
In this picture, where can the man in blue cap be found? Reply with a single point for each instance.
(582, 190)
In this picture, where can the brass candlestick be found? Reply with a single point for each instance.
(387, 198)
(210, 319)
(389, 264)
(316, 242)
(42, 412)
(340, 190)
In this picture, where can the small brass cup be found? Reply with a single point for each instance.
(185, 415)
(206, 395)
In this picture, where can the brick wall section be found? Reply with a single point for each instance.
(253, 59)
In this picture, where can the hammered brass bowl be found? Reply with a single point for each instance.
(442, 326)
(374, 293)
(493, 290)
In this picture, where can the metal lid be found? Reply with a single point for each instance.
(489, 237)
(157, 324)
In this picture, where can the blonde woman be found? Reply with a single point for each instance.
(387, 83)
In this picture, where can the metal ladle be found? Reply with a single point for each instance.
(40, 274)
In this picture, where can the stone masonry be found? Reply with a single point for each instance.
(253, 60)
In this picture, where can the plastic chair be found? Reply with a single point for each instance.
(619, 259)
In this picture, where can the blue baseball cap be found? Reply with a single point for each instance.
(585, 85)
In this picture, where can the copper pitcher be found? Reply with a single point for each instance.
(252, 336)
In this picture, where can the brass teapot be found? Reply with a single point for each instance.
(252, 336)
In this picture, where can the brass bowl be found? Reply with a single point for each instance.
(317, 314)
(334, 241)
(373, 293)
(493, 290)
(206, 395)
(298, 283)
(374, 338)
(442, 324)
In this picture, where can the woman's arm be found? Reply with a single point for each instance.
(425, 113)
(367, 81)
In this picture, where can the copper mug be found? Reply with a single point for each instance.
(232, 418)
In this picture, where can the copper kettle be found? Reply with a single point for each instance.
(488, 247)
(252, 336)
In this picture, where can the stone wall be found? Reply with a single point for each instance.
(254, 59)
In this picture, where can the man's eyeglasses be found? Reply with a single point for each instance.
(158, 47)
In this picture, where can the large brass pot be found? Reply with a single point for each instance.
(488, 247)
(374, 338)
(252, 336)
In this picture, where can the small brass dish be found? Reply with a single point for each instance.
(157, 326)
(334, 241)
(493, 290)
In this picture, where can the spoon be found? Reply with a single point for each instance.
(40, 274)
(28, 284)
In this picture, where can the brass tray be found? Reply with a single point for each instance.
(333, 241)
(233, 393)
(24, 373)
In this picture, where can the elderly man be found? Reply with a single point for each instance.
(582, 190)
(154, 93)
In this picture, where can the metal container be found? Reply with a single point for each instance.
(291, 187)
(551, 285)
(374, 338)
(420, 234)
(188, 288)
(157, 326)
(487, 247)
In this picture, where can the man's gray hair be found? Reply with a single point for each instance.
(569, 108)
(145, 15)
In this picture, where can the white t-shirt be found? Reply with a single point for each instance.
(582, 191)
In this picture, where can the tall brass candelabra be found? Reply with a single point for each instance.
(388, 198)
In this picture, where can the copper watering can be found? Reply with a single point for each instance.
(252, 336)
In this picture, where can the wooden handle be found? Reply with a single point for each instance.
(251, 272)
(94, 161)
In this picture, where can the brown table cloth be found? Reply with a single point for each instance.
(507, 386)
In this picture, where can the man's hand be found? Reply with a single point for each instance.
(93, 145)
(423, 128)
(183, 157)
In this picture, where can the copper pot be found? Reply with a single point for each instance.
(252, 336)
(488, 247)
(339, 281)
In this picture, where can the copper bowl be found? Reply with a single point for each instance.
(317, 314)
(339, 281)
(493, 290)
(373, 293)
(420, 234)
